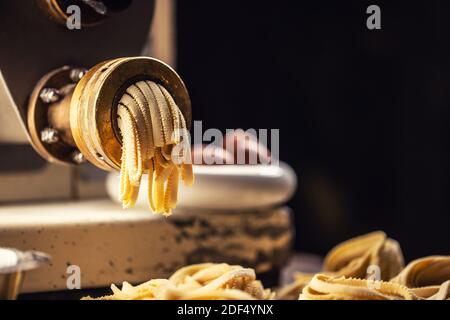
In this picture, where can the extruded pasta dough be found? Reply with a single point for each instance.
(153, 131)
(207, 281)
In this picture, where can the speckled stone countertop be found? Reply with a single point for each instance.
(111, 245)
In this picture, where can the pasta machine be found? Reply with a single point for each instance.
(58, 137)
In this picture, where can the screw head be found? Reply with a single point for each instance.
(49, 95)
(78, 157)
(77, 74)
(49, 135)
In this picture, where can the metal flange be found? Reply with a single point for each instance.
(47, 123)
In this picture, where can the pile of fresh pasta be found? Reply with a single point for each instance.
(371, 267)
(153, 130)
(207, 281)
(368, 267)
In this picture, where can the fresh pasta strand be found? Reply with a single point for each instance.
(151, 125)
(428, 277)
(325, 287)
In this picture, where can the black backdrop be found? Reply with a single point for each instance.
(363, 115)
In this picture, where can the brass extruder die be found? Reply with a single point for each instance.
(72, 113)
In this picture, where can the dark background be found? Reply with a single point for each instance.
(363, 114)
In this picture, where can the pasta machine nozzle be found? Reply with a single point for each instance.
(72, 111)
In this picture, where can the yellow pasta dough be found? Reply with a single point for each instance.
(154, 141)
(344, 274)
(423, 279)
(429, 277)
(207, 281)
(352, 258)
(324, 287)
(344, 277)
